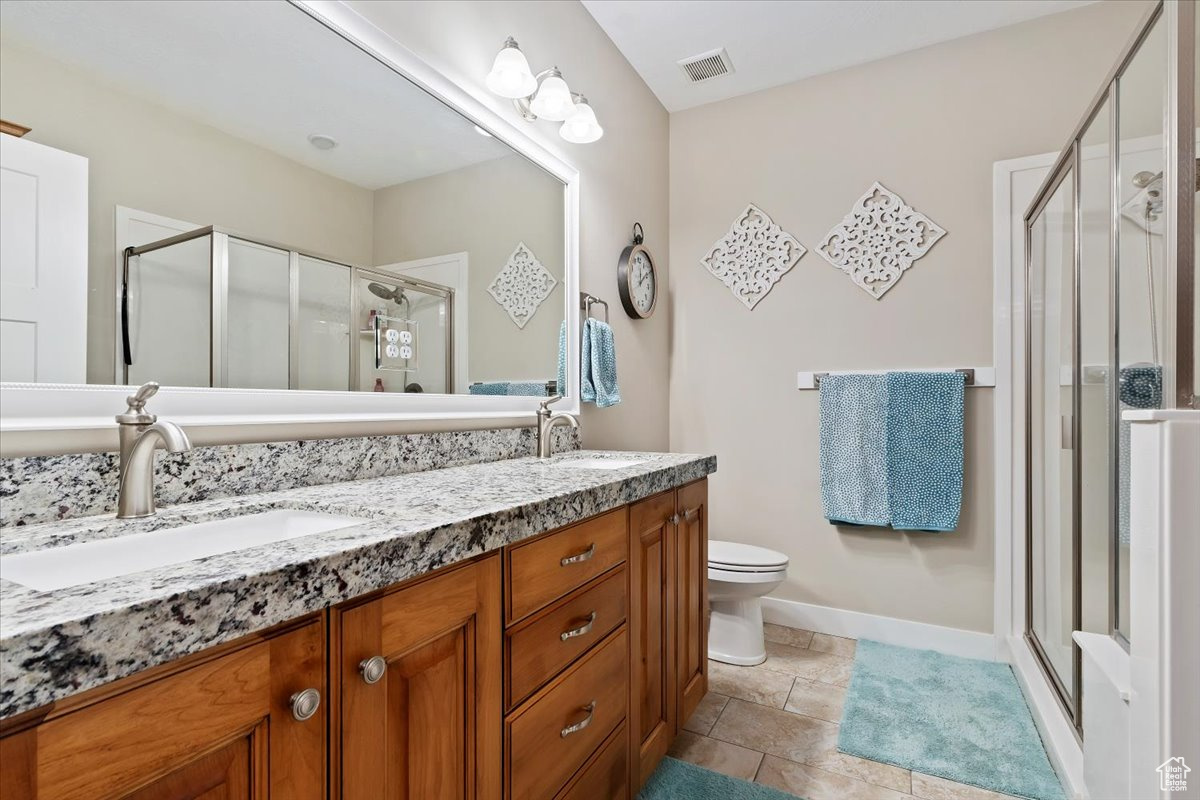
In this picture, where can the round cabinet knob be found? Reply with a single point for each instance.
(305, 704)
(372, 669)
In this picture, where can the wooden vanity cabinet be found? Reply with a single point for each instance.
(420, 670)
(668, 602)
(559, 668)
(216, 725)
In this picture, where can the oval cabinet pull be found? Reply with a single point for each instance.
(673, 519)
(590, 708)
(372, 669)
(579, 558)
(305, 704)
(691, 513)
(581, 630)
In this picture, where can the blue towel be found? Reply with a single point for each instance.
(854, 485)
(489, 387)
(509, 388)
(925, 449)
(562, 358)
(598, 372)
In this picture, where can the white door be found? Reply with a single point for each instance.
(43, 263)
(449, 270)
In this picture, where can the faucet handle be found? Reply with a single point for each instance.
(551, 399)
(136, 414)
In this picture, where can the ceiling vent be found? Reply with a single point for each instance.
(706, 66)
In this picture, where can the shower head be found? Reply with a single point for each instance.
(393, 293)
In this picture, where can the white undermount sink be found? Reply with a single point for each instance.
(88, 562)
(599, 463)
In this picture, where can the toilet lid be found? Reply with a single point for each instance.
(732, 555)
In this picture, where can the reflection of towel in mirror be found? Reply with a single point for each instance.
(562, 358)
(598, 365)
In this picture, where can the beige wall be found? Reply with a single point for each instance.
(623, 176)
(928, 125)
(143, 156)
(485, 210)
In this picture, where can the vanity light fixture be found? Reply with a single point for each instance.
(542, 96)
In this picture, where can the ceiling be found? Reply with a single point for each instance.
(773, 42)
(264, 72)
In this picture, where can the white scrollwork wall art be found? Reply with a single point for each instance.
(752, 257)
(879, 239)
(522, 285)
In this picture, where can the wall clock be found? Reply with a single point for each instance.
(637, 279)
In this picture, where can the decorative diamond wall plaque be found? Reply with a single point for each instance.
(522, 285)
(752, 257)
(879, 239)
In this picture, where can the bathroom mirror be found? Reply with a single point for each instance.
(265, 204)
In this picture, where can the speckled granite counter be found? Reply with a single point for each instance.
(57, 643)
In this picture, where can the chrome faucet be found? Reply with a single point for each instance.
(140, 433)
(546, 422)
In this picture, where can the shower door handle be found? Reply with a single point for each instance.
(1067, 435)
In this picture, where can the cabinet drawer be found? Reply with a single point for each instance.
(551, 641)
(545, 569)
(606, 777)
(559, 729)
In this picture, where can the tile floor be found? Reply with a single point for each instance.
(777, 724)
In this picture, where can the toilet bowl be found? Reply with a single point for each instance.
(738, 577)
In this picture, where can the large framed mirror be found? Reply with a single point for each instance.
(272, 210)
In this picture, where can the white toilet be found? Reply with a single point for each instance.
(738, 576)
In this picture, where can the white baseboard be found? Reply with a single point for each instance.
(1063, 749)
(890, 630)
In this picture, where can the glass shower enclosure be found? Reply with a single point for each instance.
(1111, 305)
(213, 308)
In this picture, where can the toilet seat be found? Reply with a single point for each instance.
(737, 557)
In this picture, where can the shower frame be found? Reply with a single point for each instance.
(1178, 371)
(218, 299)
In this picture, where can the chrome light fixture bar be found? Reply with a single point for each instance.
(542, 96)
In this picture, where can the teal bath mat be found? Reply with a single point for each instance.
(679, 780)
(956, 718)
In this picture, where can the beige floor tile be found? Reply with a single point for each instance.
(755, 684)
(874, 772)
(816, 699)
(807, 663)
(796, 637)
(837, 645)
(723, 757)
(818, 784)
(706, 713)
(799, 738)
(928, 787)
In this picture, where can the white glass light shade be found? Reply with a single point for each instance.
(510, 76)
(553, 100)
(581, 127)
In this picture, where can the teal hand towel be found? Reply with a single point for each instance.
(587, 389)
(489, 388)
(526, 389)
(562, 358)
(925, 449)
(853, 435)
(599, 383)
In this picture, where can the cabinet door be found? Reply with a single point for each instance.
(652, 619)
(691, 596)
(426, 723)
(223, 728)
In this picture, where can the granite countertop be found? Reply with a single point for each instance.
(54, 644)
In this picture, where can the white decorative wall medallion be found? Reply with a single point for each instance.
(879, 239)
(753, 255)
(522, 285)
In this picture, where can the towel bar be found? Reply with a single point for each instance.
(974, 377)
(586, 301)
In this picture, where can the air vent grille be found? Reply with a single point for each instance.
(706, 66)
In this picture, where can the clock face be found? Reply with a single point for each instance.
(641, 282)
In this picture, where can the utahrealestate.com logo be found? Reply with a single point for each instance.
(1172, 775)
